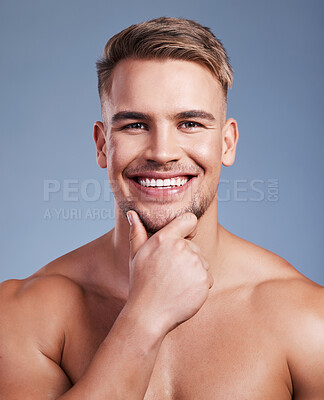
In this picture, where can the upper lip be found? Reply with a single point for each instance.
(161, 174)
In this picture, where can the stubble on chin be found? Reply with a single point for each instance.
(160, 216)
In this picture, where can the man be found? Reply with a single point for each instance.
(169, 304)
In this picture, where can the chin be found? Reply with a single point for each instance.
(159, 216)
(154, 221)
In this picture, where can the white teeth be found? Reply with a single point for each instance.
(162, 182)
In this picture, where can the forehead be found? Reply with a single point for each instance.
(162, 86)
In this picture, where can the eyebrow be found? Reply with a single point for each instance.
(195, 114)
(123, 115)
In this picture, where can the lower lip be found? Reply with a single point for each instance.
(162, 192)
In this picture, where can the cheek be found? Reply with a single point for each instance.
(119, 155)
(207, 152)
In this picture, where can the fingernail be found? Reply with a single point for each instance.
(130, 218)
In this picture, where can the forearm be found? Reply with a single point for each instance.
(122, 366)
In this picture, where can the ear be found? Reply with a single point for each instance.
(100, 140)
(230, 137)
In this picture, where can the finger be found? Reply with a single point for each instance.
(193, 246)
(192, 234)
(196, 250)
(205, 263)
(210, 280)
(180, 227)
(137, 233)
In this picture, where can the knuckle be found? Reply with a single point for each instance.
(160, 238)
(203, 276)
(180, 245)
(195, 260)
(193, 247)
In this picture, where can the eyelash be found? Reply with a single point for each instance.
(132, 125)
(197, 124)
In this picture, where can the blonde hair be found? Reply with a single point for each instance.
(166, 38)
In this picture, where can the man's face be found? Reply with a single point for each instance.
(163, 124)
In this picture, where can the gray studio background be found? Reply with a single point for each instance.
(273, 194)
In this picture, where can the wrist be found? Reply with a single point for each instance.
(150, 324)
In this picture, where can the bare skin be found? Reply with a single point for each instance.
(189, 312)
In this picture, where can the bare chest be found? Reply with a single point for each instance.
(228, 355)
(228, 362)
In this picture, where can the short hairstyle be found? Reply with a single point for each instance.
(166, 38)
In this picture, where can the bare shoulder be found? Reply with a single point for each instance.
(39, 306)
(277, 284)
(291, 308)
(34, 315)
(54, 294)
(290, 298)
(38, 291)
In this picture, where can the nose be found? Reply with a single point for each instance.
(163, 146)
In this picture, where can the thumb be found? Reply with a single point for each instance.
(137, 233)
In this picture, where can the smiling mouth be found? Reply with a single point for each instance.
(167, 185)
(163, 183)
(156, 187)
